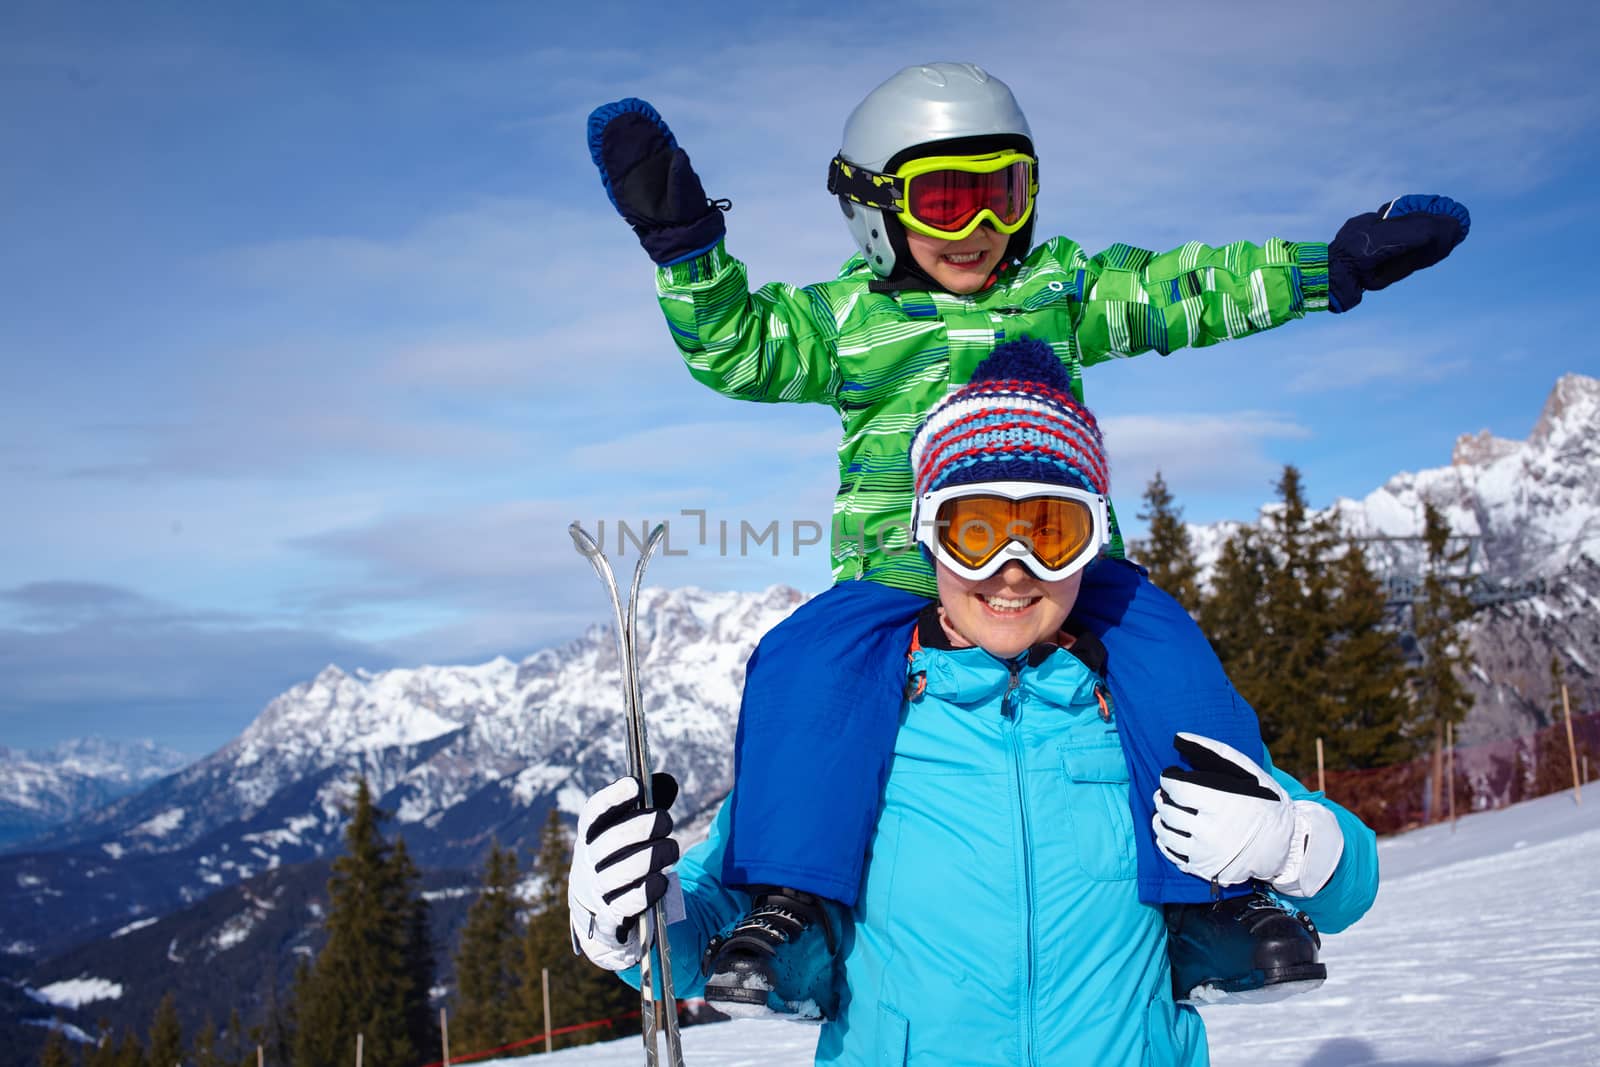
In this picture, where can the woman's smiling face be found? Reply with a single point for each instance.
(1008, 612)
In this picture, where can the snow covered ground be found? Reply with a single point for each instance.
(76, 992)
(1483, 948)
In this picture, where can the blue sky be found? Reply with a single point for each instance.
(318, 329)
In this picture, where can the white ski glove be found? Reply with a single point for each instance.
(1229, 821)
(619, 869)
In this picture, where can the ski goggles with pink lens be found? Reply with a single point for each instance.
(947, 196)
(1054, 531)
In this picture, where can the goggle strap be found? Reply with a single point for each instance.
(863, 186)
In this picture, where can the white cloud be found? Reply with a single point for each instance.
(1360, 366)
(1196, 453)
(690, 449)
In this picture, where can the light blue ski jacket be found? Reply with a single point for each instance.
(999, 920)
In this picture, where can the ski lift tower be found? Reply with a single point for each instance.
(1403, 588)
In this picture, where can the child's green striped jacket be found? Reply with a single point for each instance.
(882, 359)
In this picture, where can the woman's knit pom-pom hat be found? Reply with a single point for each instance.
(1015, 421)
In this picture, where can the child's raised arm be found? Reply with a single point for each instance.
(773, 345)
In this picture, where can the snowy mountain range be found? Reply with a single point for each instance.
(43, 788)
(459, 755)
(1532, 511)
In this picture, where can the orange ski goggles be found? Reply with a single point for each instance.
(1054, 531)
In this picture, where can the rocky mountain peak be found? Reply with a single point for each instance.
(1481, 449)
(1571, 412)
(41, 788)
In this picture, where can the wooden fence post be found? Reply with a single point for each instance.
(1572, 749)
(1322, 786)
(544, 978)
(1450, 770)
(444, 1036)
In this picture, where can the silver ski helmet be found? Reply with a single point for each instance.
(929, 109)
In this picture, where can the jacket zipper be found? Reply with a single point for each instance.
(1009, 707)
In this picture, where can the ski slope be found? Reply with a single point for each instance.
(1483, 948)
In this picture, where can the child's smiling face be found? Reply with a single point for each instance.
(960, 266)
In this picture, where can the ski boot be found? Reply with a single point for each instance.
(778, 960)
(1245, 949)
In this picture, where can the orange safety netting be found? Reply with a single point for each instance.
(1489, 775)
(481, 1054)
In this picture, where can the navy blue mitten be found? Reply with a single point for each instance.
(1379, 248)
(651, 182)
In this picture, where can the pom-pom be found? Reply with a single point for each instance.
(1026, 360)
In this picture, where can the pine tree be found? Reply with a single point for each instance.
(417, 948)
(1297, 618)
(275, 1033)
(1273, 623)
(255, 1039)
(363, 981)
(55, 1052)
(1231, 615)
(232, 1046)
(208, 1046)
(579, 991)
(130, 1053)
(1439, 697)
(487, 963)
(1367, 696)
(1168, 552)
(104, 1052)
(1301, 596)
(166, 1037)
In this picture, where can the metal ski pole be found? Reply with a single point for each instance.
(658, 957)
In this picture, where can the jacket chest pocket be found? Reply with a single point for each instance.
(1049, 312)
(1097, 803)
